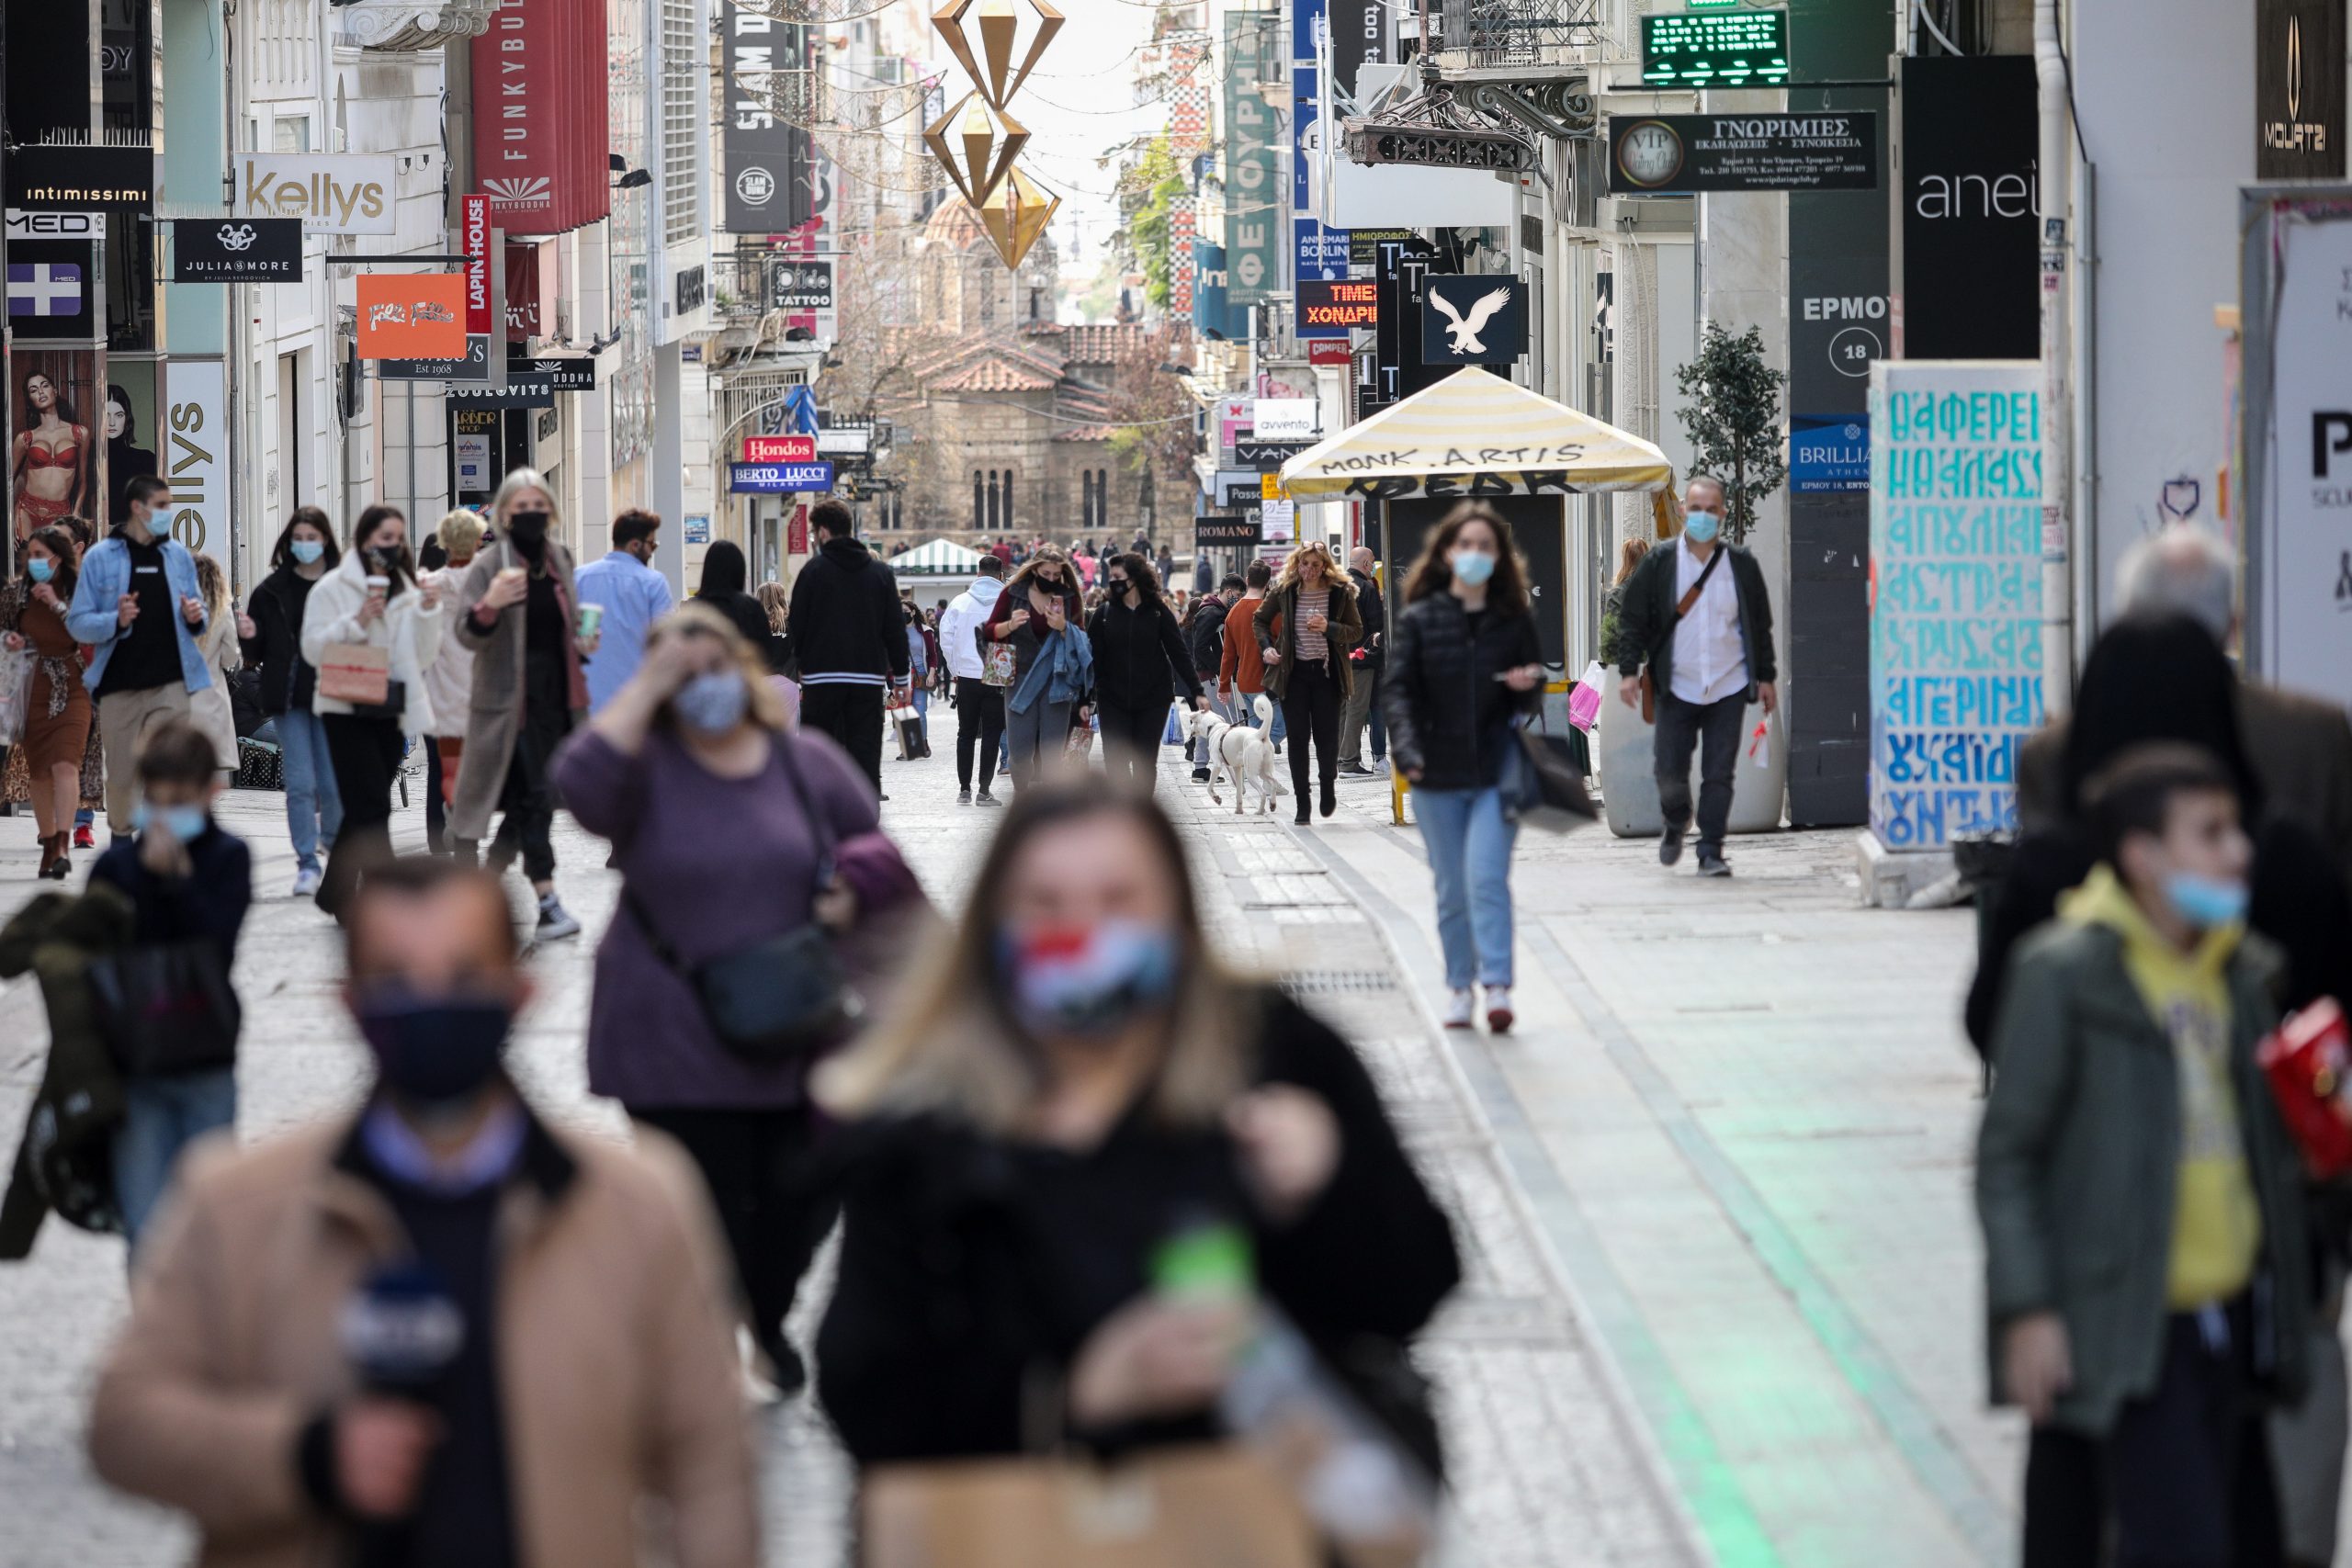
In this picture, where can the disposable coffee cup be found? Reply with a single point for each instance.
(378, 584)
(590, 617)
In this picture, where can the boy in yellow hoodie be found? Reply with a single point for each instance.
(2145, 1254)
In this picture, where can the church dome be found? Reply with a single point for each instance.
(954, 224)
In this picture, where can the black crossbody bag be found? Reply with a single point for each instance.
(783, 997)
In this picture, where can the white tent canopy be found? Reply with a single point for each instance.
(939, 557)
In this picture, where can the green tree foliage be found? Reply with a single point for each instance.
(1733, 422)
(1153, 187)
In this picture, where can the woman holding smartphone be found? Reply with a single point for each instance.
(372, 600)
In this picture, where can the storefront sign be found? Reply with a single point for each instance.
(697, 528)
(779, 479)
(1266, 456)
(1828, 453)
(473, 242)
(1473, 319)
(1399, 267)
(542, 100)
(23, 226)
(522, 393)
(779, 449)
(2300, 589)
(192, 448)
(331, 192)
(472, 365)
(1715, 48)
(757, 147)
(1238, 488)
(1956, 611)
(845, 441)
(1254, 226)
(2298, 89)
(1282, 419)
(472, 448)
(1276, 520)
(1329, 351)
(565, 372)
(417, 315)
(81, 178)
(1321, 253)
(1363, 245)
(800, 285)
(52, 290)
(1226, 529)
(236, 250)
(1970, 269)
(1684, 153)
(1331, 309)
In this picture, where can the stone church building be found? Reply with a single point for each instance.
(1004, 414)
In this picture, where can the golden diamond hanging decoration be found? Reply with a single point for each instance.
(1000, 30)
(976, 142)
(1015, 213)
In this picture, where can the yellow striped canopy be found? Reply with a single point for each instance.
(1475, 433)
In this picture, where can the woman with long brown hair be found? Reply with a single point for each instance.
(1039, 612)
(1075, 1084)
(58, 711)
(50, 460)
(1465, 664)
(1139, 659)
(1305, 627)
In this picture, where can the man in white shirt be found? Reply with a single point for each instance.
(979, 707)
(1697, 612)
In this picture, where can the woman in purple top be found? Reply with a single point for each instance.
(697, 737)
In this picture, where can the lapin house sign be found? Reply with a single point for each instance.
(542, 115)
(337, 193)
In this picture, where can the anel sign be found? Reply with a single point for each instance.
(420, 316)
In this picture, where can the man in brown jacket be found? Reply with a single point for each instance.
(442, 1333)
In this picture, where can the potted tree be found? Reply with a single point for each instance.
(1733, 422)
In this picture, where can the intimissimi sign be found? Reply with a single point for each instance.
(542, 101)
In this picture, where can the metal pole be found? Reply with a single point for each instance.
(2057, 411)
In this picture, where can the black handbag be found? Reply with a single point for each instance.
(1542, 786)
(166, 1008)
(783, 997)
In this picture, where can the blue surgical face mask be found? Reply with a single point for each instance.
(41, 570)
(1070, 981)
(1701, 527)
(713, 703)
(307, 551)
(185, 823)
(159, 517)
(2206, 902)
(1473, 567)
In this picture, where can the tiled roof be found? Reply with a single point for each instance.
(1087, 433)
(995, 375)
(1092, 343)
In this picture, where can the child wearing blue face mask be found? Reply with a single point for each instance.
(190, 882)
(2146, 1253)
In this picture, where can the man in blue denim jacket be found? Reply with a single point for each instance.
(138, 607)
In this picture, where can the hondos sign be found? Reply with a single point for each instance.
(1326, 307)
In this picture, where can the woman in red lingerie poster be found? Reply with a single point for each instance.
(48, 461)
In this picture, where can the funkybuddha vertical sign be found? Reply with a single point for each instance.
(1956, 595)
(1254, 229)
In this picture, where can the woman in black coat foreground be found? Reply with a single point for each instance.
(1077, 1088)
(1139, 659)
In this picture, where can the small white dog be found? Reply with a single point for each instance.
(1243, 755)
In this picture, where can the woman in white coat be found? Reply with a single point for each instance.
(372, 600)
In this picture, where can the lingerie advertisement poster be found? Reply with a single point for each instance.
(57, 433)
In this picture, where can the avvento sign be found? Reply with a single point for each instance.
(331, 192)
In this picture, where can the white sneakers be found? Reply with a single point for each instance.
(1462, 1010)
(306, 882)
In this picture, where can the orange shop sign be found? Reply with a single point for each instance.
(419, 316)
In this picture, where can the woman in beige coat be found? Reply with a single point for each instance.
(518, 612)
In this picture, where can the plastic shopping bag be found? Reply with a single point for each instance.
(15, 693)
(1760, 744)
(1584, 703)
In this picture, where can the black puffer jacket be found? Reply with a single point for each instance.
(275, 651)
(845, 619)
(1448, 716)
(1204, 631)
(1139, 655)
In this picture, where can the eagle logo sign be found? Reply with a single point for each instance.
(1465, 330)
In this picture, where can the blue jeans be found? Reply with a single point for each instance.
(923, 712)
(313, 808)
(1469, 841)
(160, 1116)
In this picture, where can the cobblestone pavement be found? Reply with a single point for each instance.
(1553, 1461)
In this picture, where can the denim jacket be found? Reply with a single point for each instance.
(106, 577)
(1064, 672)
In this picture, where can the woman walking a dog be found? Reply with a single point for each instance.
(1463, 664)
(1038, 609)
(1139, 659)
(1305, 627)
(1076, 1101)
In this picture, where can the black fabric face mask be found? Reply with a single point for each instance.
(528, 530)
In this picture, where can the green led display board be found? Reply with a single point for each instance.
(1715, 48)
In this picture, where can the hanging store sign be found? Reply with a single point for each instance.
(329, 193)
(800, 285)
(1686, 153)
(1830, 454)
(779, 479)
(193, 447)
(2299, 587)
(472, 365)
(1282, 419)
(81, 179)
(1332, 309)
(2298, 89)
(691, 289)
(23, 226)
(1240, 489)
(542, 115)
(1329, 351)
(755, 145)
(1213, 529)
(1253, 187)
(779, 449)
(237, 250)
(1970, 269)
(473, 237)
(51, 296)
(1715, 48)
(412, 316)
(1473, 319)
(1266, 456)
(521, 393)
(564, 372)
(853, 441)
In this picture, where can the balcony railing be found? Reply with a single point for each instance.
(1498, 34)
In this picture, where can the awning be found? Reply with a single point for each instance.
(939, 557)
(1475, 433)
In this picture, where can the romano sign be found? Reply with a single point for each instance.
(1679, 153)
(337, 193)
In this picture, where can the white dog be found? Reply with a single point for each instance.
(1243, 755)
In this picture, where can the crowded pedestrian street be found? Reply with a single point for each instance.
(1719, 1245)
